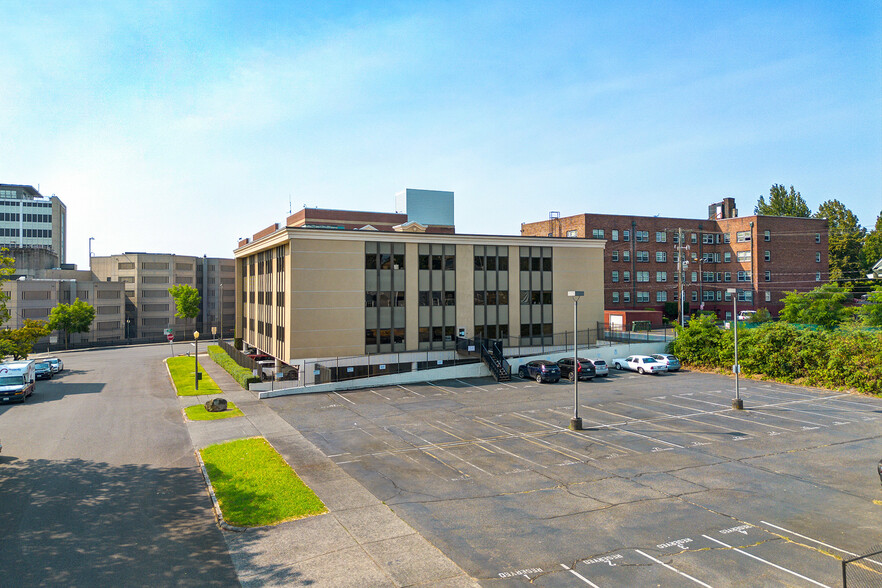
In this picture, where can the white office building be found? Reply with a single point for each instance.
(30, 220)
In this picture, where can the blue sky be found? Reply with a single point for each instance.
(182, 126)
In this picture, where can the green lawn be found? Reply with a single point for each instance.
(181, 369)
(197, 412)
(255, 486)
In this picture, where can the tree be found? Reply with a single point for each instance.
(846, 239)
(870, 314)
(782, 203)
(824, 306)
(187, 300)
(762, 315)
(19, 343)
(72, 318)
(872, 252)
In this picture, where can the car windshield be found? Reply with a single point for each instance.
(10, 380)
(42, 365)
(599, 362)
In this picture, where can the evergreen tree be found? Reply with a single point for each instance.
(782, 203)
(846, 239)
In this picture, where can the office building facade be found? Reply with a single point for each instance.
(30, 220)
(760, 257)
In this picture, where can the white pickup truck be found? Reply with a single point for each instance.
(642, 364)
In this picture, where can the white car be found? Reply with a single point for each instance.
(642, 364)
(600, 367)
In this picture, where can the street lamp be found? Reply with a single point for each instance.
(737, 404)
(576, 421)
(196, 356)
(220, 304)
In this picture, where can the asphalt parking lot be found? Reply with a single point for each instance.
(667, 485)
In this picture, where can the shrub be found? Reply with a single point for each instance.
(242, 375)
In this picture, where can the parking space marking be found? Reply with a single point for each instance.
(767, 562)
(657, 423)
(471, 385)
(578, 575)
(479, 442)
(467, 441)
(729, 416)
(380, 395)
(761, 411)
(578, 433)
(673, 569)
(442, 388)
(343, 397)
(411, 391)
(818, 542)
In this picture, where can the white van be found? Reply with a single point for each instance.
(17, 380)
(746, 315)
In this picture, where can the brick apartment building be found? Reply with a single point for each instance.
(762, 257)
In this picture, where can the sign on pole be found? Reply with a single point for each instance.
(170, 337)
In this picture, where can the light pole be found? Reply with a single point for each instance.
(220, 304)
(737, 404)
(196, 357)
(90, 252)
(576, 421)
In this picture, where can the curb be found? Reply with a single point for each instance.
(218, 516)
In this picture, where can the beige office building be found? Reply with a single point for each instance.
(317, 293)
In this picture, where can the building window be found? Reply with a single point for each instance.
(707, 277)
(597, 233)
(536, 294)
(817, 237)
(641, 236)
(661, 237)
(661, 296)
(383, 298)
(572, 233)
(626, 276)
(615, 276)
(694, 238)
(725, 237)
(641, 276)
(615, 255)
(615, 234)
(642, 296)
(745, 296)
(767, 236)
(742, 236)
(818, 277)
(768, 276)
(626, 297)
(695, 296)
(743, 276)
(626, 255)
(661, 276)
(708, 296)
(707, 238)
(818, 257)
(767, 256)
(727, 257)
(743, 256)
(615, 296)
(768, 295)
(661, 256)
(643, 256)
(728, 298)
(626, 236)
(694, 277)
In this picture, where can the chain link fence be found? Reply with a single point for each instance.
(863, 571)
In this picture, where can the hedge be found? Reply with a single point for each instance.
(242, 375)
(848, 357)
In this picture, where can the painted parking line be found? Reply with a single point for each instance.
(729, 416)
(380, 395)
(467, 441)
(472, 385)
(578, 575)
(558, 428)
(818, 542)
(411, 391)
(760, 410)
(673, 569)
(343, 397)
(767, 562)
(434, 385)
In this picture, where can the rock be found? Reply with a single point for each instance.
(216, 405)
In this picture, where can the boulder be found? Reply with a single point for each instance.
(216, 405)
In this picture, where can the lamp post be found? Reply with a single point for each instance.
(737, 404)
(196, 357)
(220, 304)
(576, 421)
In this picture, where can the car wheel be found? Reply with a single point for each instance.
(539, 378)
(521, 373)
(640, 370)
(573, 376)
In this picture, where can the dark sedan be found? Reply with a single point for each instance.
(585, 368)
(541, 370)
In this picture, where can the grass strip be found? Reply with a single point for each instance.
(198, 412)
(255, 486)
(181, 370)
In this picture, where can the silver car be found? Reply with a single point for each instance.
(56, 364)
(600, 367)
(671, 361)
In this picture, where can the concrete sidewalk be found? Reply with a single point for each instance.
(359, 542)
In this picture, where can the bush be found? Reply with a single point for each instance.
(242, 375)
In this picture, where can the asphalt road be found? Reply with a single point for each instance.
(667, 486)
(99, 484)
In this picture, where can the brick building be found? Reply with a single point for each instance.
(761, 257)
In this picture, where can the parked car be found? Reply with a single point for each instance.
(56, 364)
(600, 367)
(641, 364)
(541, 369)
(585, 368)
(670, 361)
(43, 370)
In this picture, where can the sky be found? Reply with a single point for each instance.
(181, 126)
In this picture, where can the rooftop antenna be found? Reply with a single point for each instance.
(289, 204)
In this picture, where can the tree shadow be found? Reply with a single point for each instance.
(83, 523)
